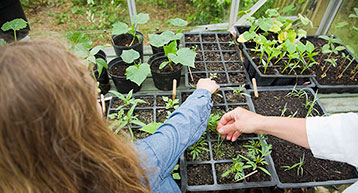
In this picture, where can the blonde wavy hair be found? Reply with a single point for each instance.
(52, 139)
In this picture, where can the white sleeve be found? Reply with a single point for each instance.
(334, 137)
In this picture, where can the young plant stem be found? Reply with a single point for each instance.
(134, 34)
(15, 35)
(170, 65)
(341, 74)
(354, 75)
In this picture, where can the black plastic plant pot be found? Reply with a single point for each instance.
(316, 172)
(103, 78)
(119, 45)
(204, 172)
(276, 79)
(164, 80)
(122, 84)
(331, 83)
(156, 50)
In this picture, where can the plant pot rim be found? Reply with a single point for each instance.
(113, 62)
(125, 47)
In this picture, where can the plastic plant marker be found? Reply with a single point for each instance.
(174, 88)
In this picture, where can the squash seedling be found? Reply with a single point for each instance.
(122, 28)
(299, 166)
(14, 25)
(184, 56)
(330, 48)
(136, 73)
(175, 172)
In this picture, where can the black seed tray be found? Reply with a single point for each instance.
(211, 162)
(305, 184)
(215, 55)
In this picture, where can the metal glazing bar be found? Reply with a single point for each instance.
(328, 17)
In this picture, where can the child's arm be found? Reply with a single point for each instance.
(183, 128)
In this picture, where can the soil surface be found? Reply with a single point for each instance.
(192, 46)
(199, 56)
(231, 56)
(234, 66)
(217, 99)
(148, 99)
(200, 175)
(226, 150)
(225, 37)
(220, 110)
(192, 38)
(208, 37)
(221, 78)
(203, 156)
(160, 102)
(199, 66)
(227, 47)
(140, 134)
(125, 40)
(212, 56)
(210, 47)
(260, 176)
(286, 154)
(119, 70)
(332, 73)
(233, 98)
(222, 168)
(196, 77)
(237, 78)
(162, 115)
(155, 66)
(146, 116)
(215, 66)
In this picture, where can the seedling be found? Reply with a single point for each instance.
(15, 25)
(136, 73)
(122, 28)
(256, 161)
(213, 122)
(310, 105)
(184, 56)
(297, 93)
(346, 57)
(330, 48)
(240, 91)
(151, 127)
(175, 173)
(213, 76)
(298, 165)
(232, 43)
(284, 111)
(218, 151)
(170, 103)
(237, 168)
(197, 147)
(127, 100)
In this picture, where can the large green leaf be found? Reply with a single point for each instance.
(151, 127)
(156, 40)
(129, 56)
(171, 48)
(271, 13)
(138, 75)
(291, 47)
(119, 28)
(178, 22)
(15, 25)
(170, 36)
(185, 56)
(96, 49)
(265, 24)
(301, 47)
(79, 38)
(100, 65)
(141, 18)
(309, 47)
(305, 20)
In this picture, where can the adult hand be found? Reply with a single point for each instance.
(208, 84)
(239, 121)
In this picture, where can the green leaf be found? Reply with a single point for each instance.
(151, 127)
(324, 37)
(326, 49)
(288, 8)
(341, 24)
(138, 75)
(185, 56)
(271, 13)
(302, 33)
(171, 36)
(309, 47)
(176, 176)
(119, 28)
(355, 28)
(171, 48)
(291, 47)
(129, 56)
(2, 42)
(165, 99)
(15, 25)
(265, 24)
(291, 35)
(141, 18)
(100, 65)
(138, 122)
(340, 48)
(276, 27)
(301, 47)
(79, 38)
(178, 22)
(96, 49)
(264, 170)
(163, 64)
(305, 20)
(350, 48)
(156, 40)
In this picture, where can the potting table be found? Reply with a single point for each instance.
(333, 103)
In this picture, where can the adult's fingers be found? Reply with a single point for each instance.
(228, 117)
(235, 136)
(227, 129)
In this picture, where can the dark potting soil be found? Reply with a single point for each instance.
(203, 155)
(231, 56)
(162, 114)
(192, 38)
(232, 107)
(160, 101)
(222, 168)
(217, 98)
(184, 96)
(155, 66)
(233, 98)
(210, 47)
(237, 77)
(119, 70)
(146, 116)
(117, 103)
(196, 77)
(225, 37)
(234, 66)
(215, 66)
(199, 66)
(226, 150)
(125, 41)
(199, 56)
(227, 47)
(272, 103)
(221, 78)
(331, 76)
(286, 154)
(212, 56)
(259, 176)
(219, 110)
(200, 175)
(208, 37)
(194, 46)
(140, 134)
(148, 99)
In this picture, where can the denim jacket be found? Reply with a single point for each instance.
(161, 151)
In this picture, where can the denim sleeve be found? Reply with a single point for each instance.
(161, 151)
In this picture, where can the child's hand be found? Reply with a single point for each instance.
(208, 84)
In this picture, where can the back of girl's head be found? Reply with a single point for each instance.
(51, 137)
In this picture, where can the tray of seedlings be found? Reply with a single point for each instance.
(295, 166)
(217, 58)
(213, 163)
(337, 67)
(272, 51)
